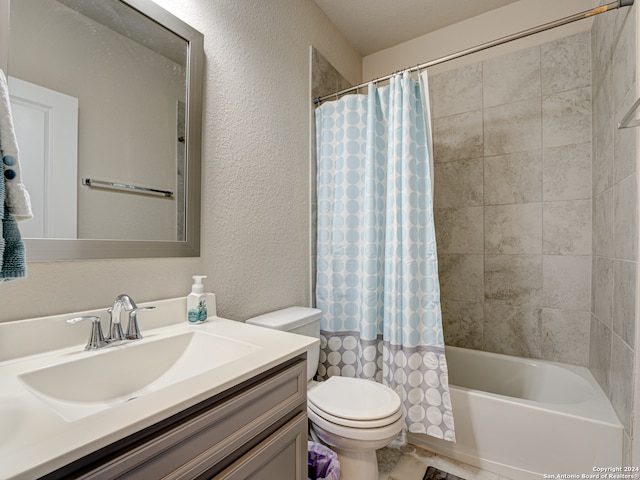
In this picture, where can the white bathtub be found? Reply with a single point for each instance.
(524, 418)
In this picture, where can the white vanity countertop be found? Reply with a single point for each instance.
(35, 440)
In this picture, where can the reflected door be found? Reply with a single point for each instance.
(46, 124)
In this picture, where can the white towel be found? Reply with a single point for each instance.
(16, 199)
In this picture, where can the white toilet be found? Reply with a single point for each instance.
(354, 417)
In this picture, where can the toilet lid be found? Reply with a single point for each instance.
(355, 399)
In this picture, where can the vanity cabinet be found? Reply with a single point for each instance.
(257, 429)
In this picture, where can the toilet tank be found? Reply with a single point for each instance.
(300, 320)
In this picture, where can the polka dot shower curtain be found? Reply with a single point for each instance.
(377, 273)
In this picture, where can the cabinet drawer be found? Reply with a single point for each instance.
(279, 457)
(195, 445)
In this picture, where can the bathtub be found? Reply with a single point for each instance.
(524, 418)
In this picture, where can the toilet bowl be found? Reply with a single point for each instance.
(353, 416)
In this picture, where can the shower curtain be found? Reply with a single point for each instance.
(377, 274)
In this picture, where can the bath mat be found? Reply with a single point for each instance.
(435, 474)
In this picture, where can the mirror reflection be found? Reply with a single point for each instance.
(99, 92)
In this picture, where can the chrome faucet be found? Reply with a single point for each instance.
(116, 335)
(122, 302)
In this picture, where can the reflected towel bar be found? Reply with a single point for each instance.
(92, 182)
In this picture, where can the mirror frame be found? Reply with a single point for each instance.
(39, 250)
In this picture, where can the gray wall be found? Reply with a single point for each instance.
(615, 210)
(512, 146)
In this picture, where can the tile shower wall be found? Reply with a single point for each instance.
(615, 211)
(513, 210)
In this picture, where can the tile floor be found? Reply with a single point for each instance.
(411, 462)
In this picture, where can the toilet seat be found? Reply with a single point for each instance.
(354, 403)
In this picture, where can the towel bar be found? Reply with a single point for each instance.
(91, 182)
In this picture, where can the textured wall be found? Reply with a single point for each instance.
(255, 176)
(512, 146)
(615, 211)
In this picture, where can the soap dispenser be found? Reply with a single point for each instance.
(197, 301)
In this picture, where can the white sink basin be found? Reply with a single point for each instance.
(109, 377)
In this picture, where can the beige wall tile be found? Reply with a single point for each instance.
(325, 79)
(625, 243)
(567, 227)
(458, 137)
(625, 285)
(625, 147)
(602, 38)
(458, 184)
(513, 178)
(565, 336)
(603, 224)
(513, 279)
(567, 282)
(602, 107)
(456, 91)
(621, 386)
(566, 117)
(460, 230)
(600, 352)
(461, 277)
(536, 255)
(513, 229)
(511, 77)
(567, 172)
(514, 127)
(603, 162)
(624, 54)
(512, 329)
(602, 290)
(566, 63)
(463, 323)
(615, 222)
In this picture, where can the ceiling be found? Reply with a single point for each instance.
(373, 25)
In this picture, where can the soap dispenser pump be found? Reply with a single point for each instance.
(197, 301)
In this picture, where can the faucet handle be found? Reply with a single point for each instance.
(133, 331)
(96, 338)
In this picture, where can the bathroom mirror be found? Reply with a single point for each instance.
(117, 85)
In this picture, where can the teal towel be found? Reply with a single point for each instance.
(11, 247)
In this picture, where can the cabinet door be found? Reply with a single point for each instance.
(278, 457)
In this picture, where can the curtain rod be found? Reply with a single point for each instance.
(494, 43)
